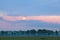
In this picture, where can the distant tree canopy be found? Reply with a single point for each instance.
(30, 32)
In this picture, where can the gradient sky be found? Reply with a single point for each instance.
(30, 7)
(45, 13)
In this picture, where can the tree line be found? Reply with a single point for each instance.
(33, 32)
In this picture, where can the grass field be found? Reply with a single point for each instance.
(29, 38)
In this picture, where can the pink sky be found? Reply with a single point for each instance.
(54, 19)
(9, 26)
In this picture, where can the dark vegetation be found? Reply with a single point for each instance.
(29, 38)
(32, 32)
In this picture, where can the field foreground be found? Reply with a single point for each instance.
(29, 38)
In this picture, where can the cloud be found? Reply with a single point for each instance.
(8, 26)
(12, 18)
(2, 14)
(28, 25)
(53, 19)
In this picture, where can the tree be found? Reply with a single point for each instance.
(56, 32)
(4, 33)
(33, 32)
(27, 32)
(39, 31)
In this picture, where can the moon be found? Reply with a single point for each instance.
(24, 18)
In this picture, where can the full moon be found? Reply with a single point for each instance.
(23, 18)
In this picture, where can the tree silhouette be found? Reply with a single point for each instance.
(56, 33)
(33, 32)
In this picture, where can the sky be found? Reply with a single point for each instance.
(30, 7)
(45, 11)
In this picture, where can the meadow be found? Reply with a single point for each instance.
(29, 38)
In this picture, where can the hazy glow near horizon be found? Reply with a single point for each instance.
(6, 25)
(1, 14)
(24, 18)
(54, 19)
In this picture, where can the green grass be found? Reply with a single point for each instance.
(29, 38)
